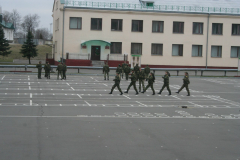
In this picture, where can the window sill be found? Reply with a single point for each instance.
(217, 34)
(198, 33)
(75, 28)
(216, 57)
(157, 32)
(176, 56)
(116, 30)
(177, 33)
(197, 56)
(235, 34)
(96, 29)
(156, 55)
(138, 31)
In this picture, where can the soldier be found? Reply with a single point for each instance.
(60, 69)
(141, 78)
(166, 82)
(47, 69)
(146, 71)
(39, 66)
(64, 71)
(123, 68)
(127, 71)
(119, 70)
(151, 80)
(106, 71)
(133, 82)
(186, 82)
(136, 70)
(117, 83)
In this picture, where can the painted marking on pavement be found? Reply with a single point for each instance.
(30, 95)
(126, 96)
(87, 103)
(141, 103)
(79, 96)
(3, 77)
(73, 88)
(30, 102)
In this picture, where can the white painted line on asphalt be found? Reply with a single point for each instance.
(30, 95)
(30, 102)
(79, 96)
(105, 85)
(29, 83)
(73, 88)
(87, 103)
(3, 77)
(75, 105)
(141, 103)
(60, 104)
(195, 104)
(126, 96)
(29, 87)
(68, 84)
(45, 104)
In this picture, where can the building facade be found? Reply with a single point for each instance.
(148, 32)
(8, 28)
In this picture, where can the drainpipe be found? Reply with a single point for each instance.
(207, 41)
(63, 32)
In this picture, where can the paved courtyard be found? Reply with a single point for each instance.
(77, 119)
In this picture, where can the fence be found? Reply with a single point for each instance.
(154, 7)
(114, 68)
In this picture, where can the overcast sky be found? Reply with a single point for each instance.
(43, 8)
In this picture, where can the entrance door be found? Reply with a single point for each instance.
(95, 52)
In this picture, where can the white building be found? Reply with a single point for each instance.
(8, 28)
(161, 33)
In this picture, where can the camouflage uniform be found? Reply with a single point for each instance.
(141, 78)
(146, 71)
(165, 84)
(60, 69)
(136, 70)
(186, 82)
(39, 66)
(119, 70)
(133, 83)
(127, 71)
(64, 71)
(106, 71)
(150, 84)
(117, 83)
(47, 69)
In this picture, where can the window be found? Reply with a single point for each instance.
(157, 26)
(149, 4)
(178, 27)
(57, 24)
(217, 28)
(216, 51)
(116, 48)
(235, 29)
(197, 50)
(96, 24)
(137, 25)
(235, 52)
(116, 25)
(197, 28)
(136, 48)
(55, 48)
(177, 50)
(157, 49)
(75, 23)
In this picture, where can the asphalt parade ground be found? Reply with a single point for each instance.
(76, 119)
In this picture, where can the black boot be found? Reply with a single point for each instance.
(159, 92)
(121, 93)
(177, 92)
(142, 92)
(110, 93)
(169, 94)
(188, 95)
(153, 94)
(126, 92)
(136, 93)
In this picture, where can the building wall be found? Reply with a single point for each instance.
(8, 34)
(73, 38)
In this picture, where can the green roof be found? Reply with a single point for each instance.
(6, 24)
(62, 1)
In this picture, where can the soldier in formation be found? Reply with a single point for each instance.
(186, 82)
(165, 82)
(106, 71)
(60, 70)
(151, 80)
(133, 82)
(47, 69)
(119, 70)
(123, 68)
(127, 71)
(64, 71)
(39, 67)
(141, 77)
(146, 71)
(136, 70)
(117, 83)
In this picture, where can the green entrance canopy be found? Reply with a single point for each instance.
(86, 42)
(135, 55)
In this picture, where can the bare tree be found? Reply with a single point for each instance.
(30, 22)
(42, 33)
(16, 20)
(7, 16)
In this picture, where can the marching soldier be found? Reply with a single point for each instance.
(127, 71)
(151, 80)
(123, 68)
(133, 82)
(117, 83)
(136, 70)
(146, 71)
(60, 69)
(39, 66)
(47, 69)
(141, 78)
(119, 70)
(106, 71)
(186, 82)
(166, 82)
(64, 71)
